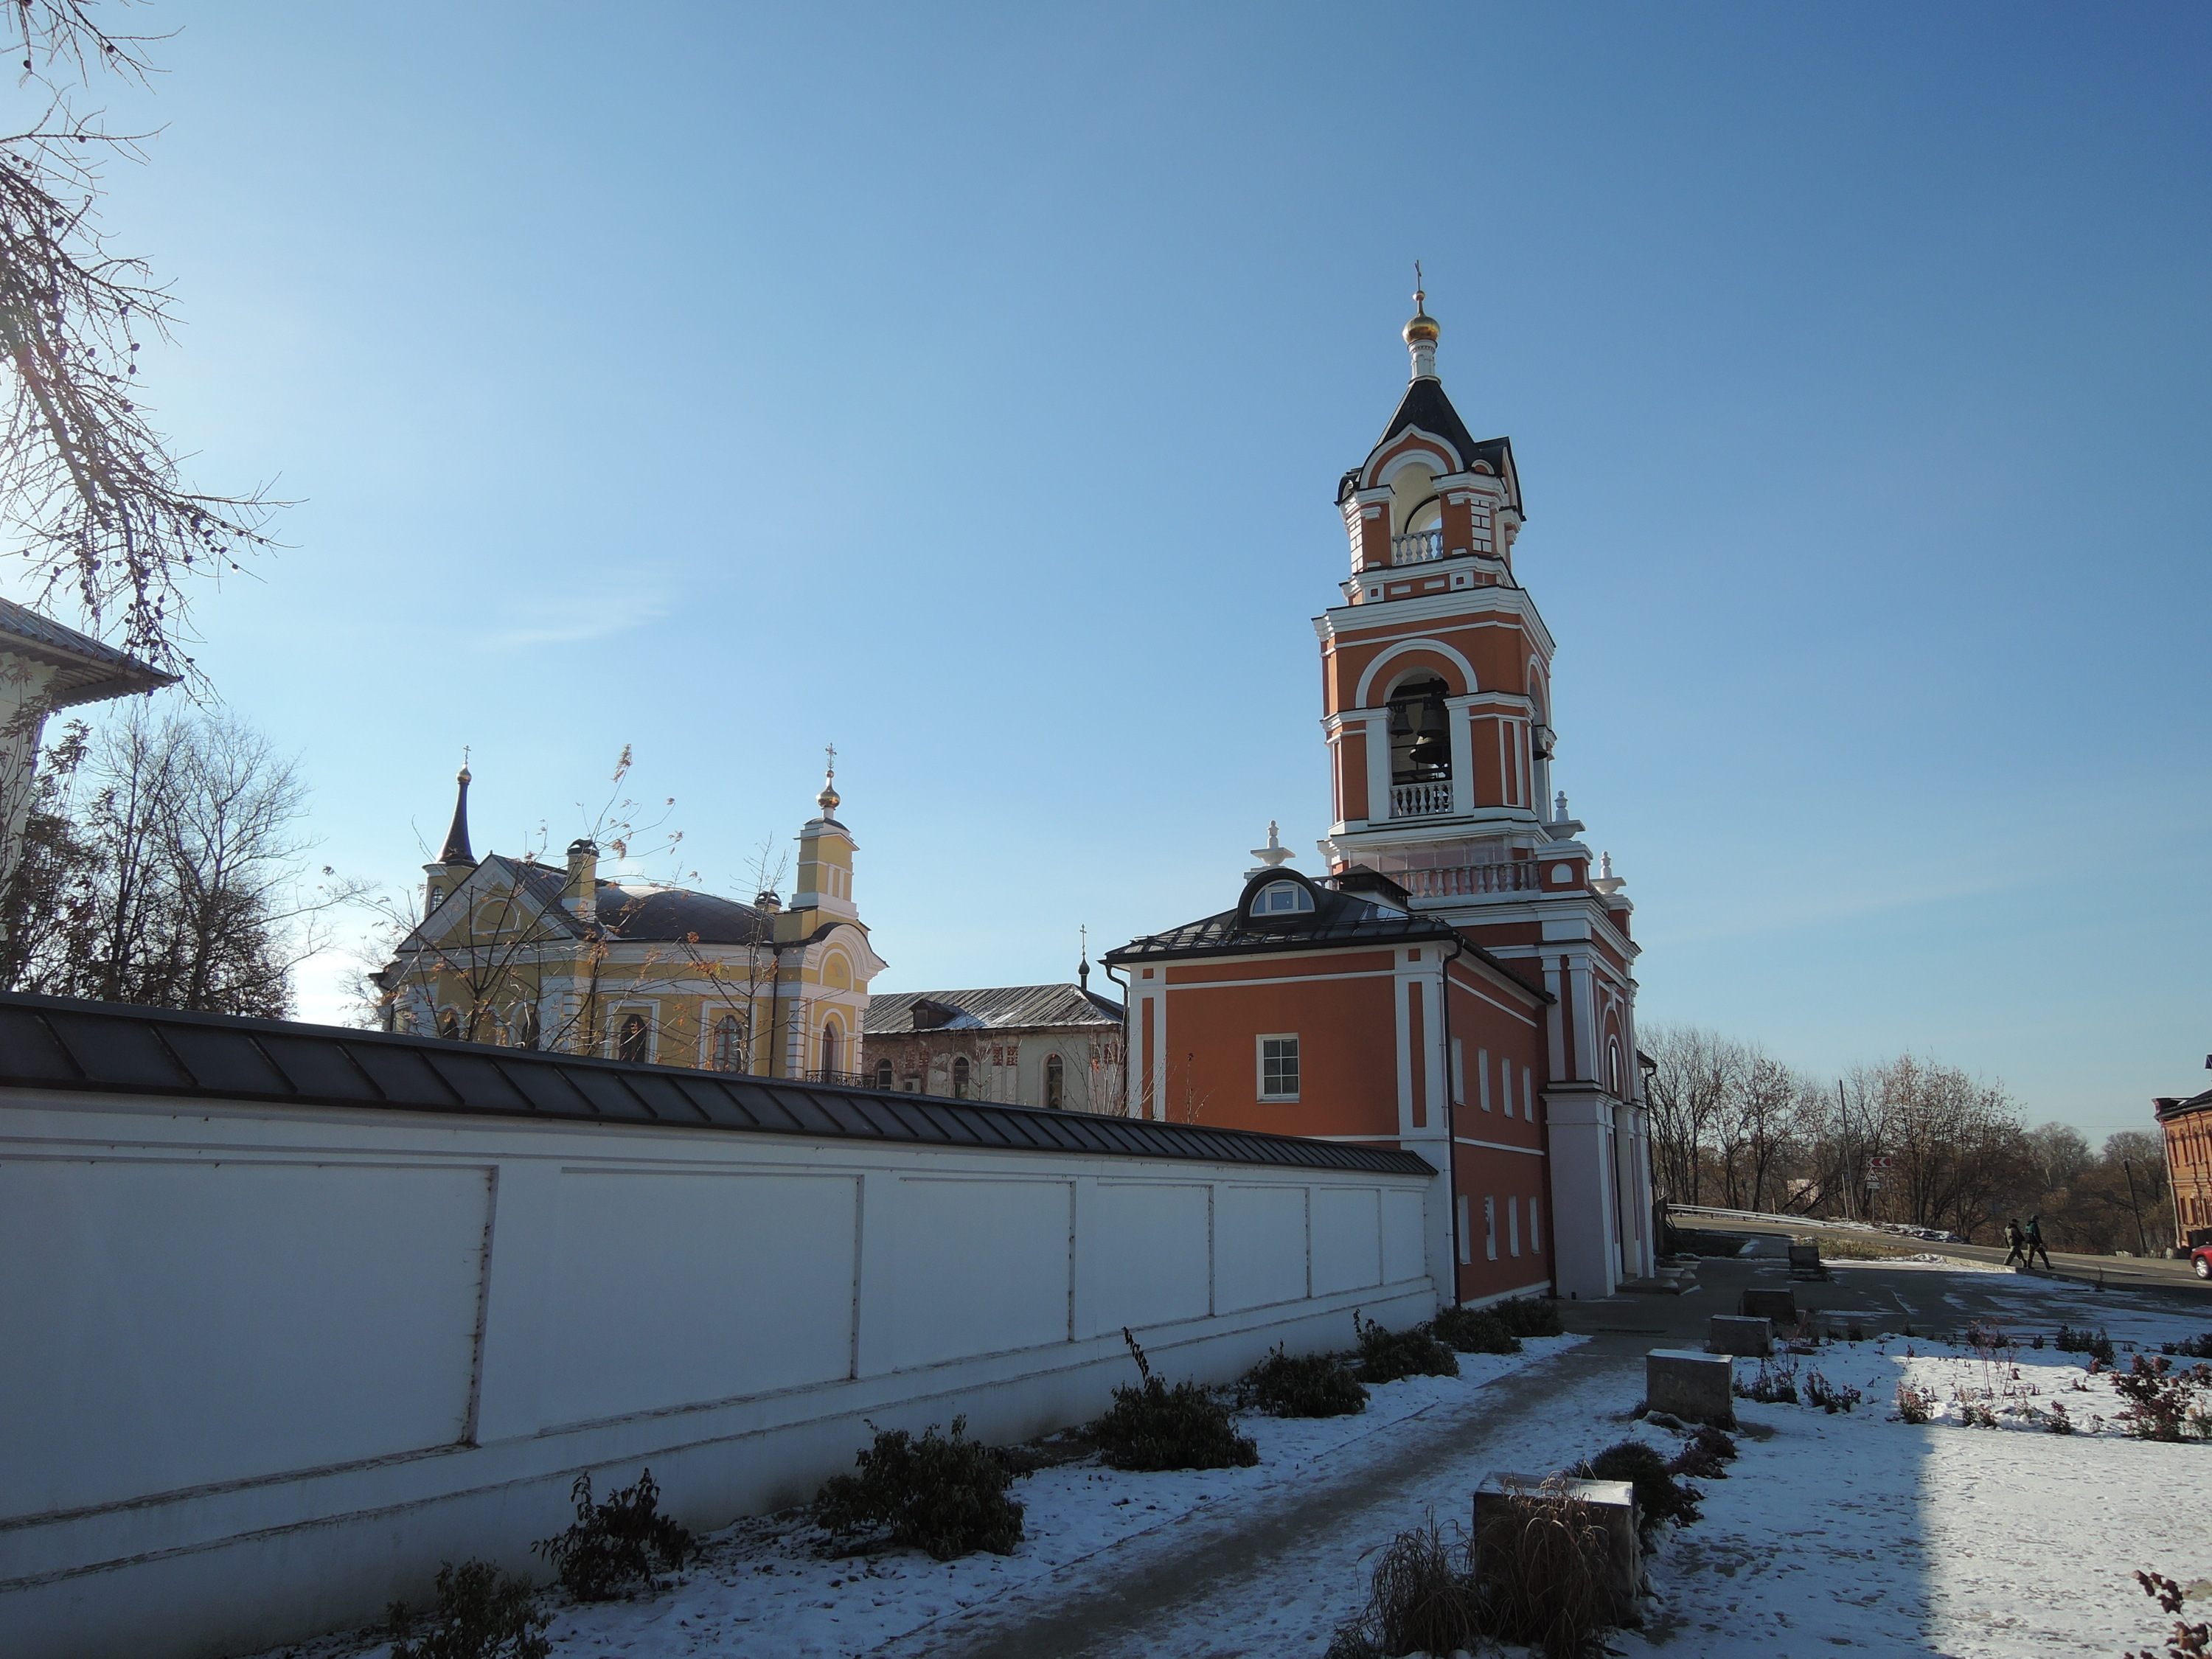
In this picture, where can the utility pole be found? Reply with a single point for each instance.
(2142, 1248)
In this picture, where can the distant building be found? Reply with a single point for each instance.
(1461, 981)
(44, 668)
(2187, 1126)
(510, 951)
(1055, 1046)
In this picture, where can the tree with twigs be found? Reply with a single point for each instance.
(88, 488)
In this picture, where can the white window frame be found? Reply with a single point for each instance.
(1260, 1063)
(1535, 1238)
(1482, 1076)
(622, 1010)
(1490, 1227)
(1505, 1081)
(1513, 1226)
(1301, 901)
(1527, 1094)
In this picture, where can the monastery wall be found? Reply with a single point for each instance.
(266, 1367)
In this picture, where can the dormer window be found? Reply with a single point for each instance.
(1281, 898)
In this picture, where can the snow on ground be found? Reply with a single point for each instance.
(762, 1591)
(1996, 1542)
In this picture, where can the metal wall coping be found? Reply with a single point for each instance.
(109, 1047)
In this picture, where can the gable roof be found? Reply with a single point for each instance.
(626, 911)
(1003, 1008)
(60, 1044)
(86, 670)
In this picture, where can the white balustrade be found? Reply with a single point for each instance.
(1415, 800)
(1418, 548)
(1471, 880)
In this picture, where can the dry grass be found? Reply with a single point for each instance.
(1541, 1566)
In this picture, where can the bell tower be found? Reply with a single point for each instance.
(1437, 713)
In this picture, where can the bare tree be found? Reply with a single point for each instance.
(174, 874)
(1688, 1089)
(87, 483)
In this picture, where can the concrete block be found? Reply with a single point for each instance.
(1699, 1387)
(1779, 1306)
(1611, 1504)
(1729, 1334)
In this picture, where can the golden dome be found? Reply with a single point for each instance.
(1424, 326)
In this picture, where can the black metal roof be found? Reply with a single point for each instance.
(1425, 405)
(107, 1048)
(1337, 917)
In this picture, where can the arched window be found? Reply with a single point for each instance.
(449, 1025)
(729, 1044)
(830, 1046)
(632, 1041)
(1281, 898)
(1613, 1068)
(960, 1078)
(883, 1074)
(1055, 1083)
(1420, 731)
(529, 1028)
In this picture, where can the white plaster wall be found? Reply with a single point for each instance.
(264, 1370)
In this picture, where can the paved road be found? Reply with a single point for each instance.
(2132, 1273)
(1167, 1595)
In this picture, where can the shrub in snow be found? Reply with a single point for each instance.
(2057, 1420)
(1386, 1356)
(1775, 1385)
(1421, 1598)
(2161, 1401)
(1705, 1455)
(1855, 1331)
(1660, 1497)
(947, 1496)
(1819, 1391)
(1914, 1405)
(1302, 1385)
(2095, 1343)
(481, 1612)
(1529, 1315)
(1543, 1571)
(2186, 1639)
(1474, 1330)
(1153, 1426)
(612, 1547)
(1976, 1415)
(2189, 1348)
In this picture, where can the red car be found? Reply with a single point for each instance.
(2201, 1259)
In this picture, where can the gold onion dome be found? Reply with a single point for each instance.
(1424, 326)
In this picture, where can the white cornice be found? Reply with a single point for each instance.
(1423, 612)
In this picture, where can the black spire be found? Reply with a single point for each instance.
(457, 838)
(1083, 972)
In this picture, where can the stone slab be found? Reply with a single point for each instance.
(1779, 1306)
(1699, 1387)
(1730, 1333)
(1611, 1505)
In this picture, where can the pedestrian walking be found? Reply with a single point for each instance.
(2016, 1241)
(2035, 1245)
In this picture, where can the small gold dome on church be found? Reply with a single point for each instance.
(1424, 326)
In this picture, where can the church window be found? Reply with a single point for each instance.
(633, 1040)
(529, 1028)
(1420, 733)
(1612, 1068)
(729, 1044)
(1281, 898)
(960, 1078)
(1490, 1227)
(1056, 1082)
(449, 1026)
(1278, 1068)
(883, 1074)
(829, 1047)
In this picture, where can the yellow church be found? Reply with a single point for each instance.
(514, 951)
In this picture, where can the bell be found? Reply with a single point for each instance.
(1432, 747)
(1401, 720)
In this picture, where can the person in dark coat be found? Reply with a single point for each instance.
(2035, 1245)
(2017, 1243)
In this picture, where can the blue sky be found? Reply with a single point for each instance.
(969, 387)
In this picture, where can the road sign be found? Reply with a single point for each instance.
(1874, 1183)
(1879, 1162)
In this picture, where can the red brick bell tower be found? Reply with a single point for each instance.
(1437, 688)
